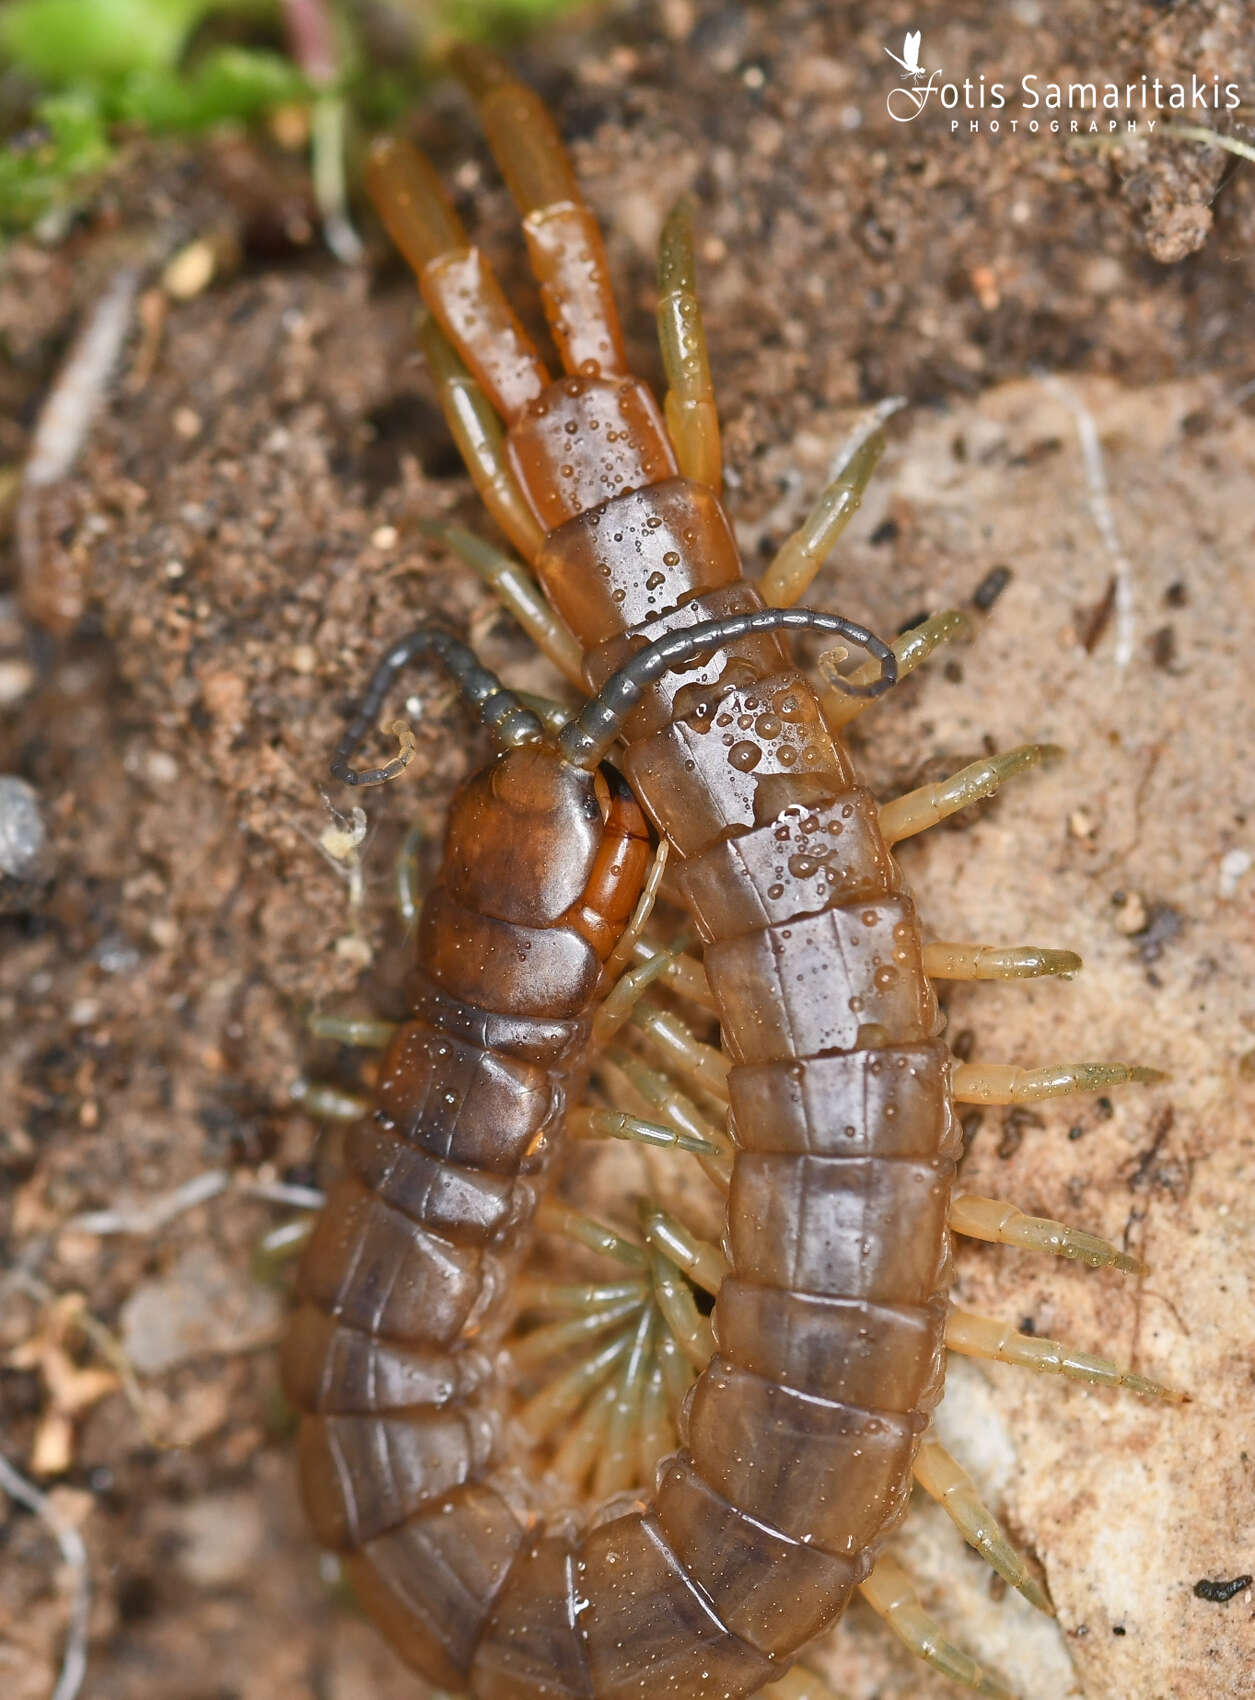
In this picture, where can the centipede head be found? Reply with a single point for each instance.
(534, 840)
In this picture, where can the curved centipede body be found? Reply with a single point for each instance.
(824, 1355)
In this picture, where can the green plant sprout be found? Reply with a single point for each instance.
(77, 77)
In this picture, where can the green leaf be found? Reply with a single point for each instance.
(38, 169)
(232, 82)
(97, 41)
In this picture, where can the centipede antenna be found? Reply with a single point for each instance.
(498, 708)
(587, 741)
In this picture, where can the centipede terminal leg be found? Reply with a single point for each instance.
(563, 238)
(458, 284)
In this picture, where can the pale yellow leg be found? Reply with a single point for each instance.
(943, 961)
(618, 1124)
(685, 1053)
(478, 433)
(984, 1337)
(675, 1108)
(585, 1440)
(625, 994)
(515, 588)
(1001, 1223)
(692, 420)
(329, 1103)
(555, 1218)
(801, 555)
(704, 1264)
(363, 1031)
(910, 649)
(891, 1594)
(691, 1330)
(553, 1407)
(1004, 1083)
(274, 1252)
(529, 1352)
(616, 1464)
(678, 1374)
(656, 1437)
(533, 1293)
(945, 1479)
(905, 816)
(683, 973)
(622, 953)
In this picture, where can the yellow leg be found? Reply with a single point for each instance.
(909, 648)
(617, 1124)
(476, 430)
(1003, 1083)
(944, 1478)
(1000, 1223)
(692, 420)
(801, 556)
(703, 1263)
(905, 816)
(996, 962)
(514, 587)
(891, 1594)
(691, 1330)
(984, 1337)
(693, 1060)
(683, 973)
(622, 953)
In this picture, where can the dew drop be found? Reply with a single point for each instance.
(744, 756)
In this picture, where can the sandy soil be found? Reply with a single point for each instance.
(246, 522)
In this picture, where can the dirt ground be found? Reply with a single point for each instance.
(244, 525)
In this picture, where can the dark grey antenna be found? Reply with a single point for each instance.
(498, 708)
(587, 741)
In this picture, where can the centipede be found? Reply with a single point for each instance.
(669, 1473)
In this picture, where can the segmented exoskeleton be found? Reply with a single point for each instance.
(824, 1355)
